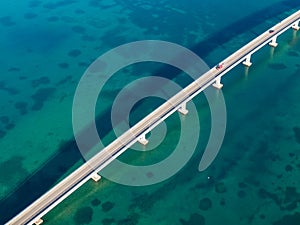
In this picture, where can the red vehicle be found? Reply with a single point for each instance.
(219, 66)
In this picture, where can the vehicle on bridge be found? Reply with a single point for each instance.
(220, 66)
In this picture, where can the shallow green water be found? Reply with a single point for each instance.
(47, 46)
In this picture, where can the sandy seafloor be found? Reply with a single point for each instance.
(47, 45)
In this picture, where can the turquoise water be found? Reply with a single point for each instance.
(47, 45)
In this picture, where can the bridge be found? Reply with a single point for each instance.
(33, 213)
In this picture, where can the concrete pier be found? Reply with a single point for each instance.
(247, 61)
(296, 25)
(142, 139)
(183, 109)
(96, 177)
(218, 84)
(273, 42)
(39, 221)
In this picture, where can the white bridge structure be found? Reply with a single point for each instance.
(33, 213)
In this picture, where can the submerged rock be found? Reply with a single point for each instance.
(195, 219)
(205, 204)
(108, 221)
(96, 202)
(40, 96)
(107, 206)
(289, 220)
(10, 126)
(277, 66)
(9, 171)
(220, 187)
(132, 219)
(63, 65)
(78, 29)
(40, 81)
(2, 133)
(297, 133)
(7, 21)
(4, 119)
(241, 194)
(288, 168)
(22, 107)
(83, 216)
(74, 53)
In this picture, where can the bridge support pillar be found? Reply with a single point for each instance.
(296, 25)
(142, 139)
(247, 61)
(183, 109)
(39, 221)
(218, 84)
(96, 177)
(273, 42)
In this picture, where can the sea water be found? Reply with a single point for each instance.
(46, 46)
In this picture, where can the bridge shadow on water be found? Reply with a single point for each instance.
(68, 154)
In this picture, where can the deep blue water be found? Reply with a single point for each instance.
(46, 46)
